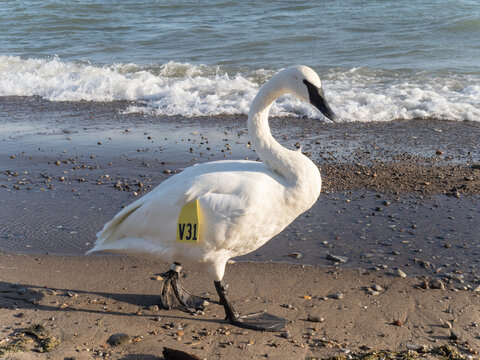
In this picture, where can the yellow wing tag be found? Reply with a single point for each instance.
(188, 225)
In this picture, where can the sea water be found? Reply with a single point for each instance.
(379, 60)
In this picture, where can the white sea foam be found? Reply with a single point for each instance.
(196, 90)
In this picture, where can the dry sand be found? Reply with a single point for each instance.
(84, 300)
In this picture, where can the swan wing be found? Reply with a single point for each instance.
(228, 193)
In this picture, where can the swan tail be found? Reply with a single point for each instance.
(104, 236)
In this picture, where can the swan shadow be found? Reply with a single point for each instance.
(17, 296)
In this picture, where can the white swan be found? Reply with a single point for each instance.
(242, 204)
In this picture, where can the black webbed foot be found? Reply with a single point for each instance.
(258, 321)
(174, 296)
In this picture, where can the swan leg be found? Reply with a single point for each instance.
(174, 296)
(259, 321)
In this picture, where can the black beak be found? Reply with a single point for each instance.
(317, 99)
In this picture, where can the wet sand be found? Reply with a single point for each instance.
(399, 195)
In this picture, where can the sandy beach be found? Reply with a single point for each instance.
(83, 301)
(398, 198)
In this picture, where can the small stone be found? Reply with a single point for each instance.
(296, 255)
(72, 294)
(397, 323)
(286, 335)
(447, 245)
(337, 258)
(477, 289)
(454, 276)
(377, 287)
(447, 325)
(400, 273)
(417, 348)
(119, 339)
(306, 297)
(338, 295)
(158, 278)
(438, 152)
(437, 284)
(374, 293)
(454, 336)
(167, 171)
(153, 308)
(317, 319)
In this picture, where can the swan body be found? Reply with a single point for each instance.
(243, 203)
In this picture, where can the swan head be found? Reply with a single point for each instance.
(304, 83)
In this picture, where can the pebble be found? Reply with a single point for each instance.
(72, 294)
(317, 319)
(153, 308)
(119, 339)
(377, 287)
(338, 295)
(337, 258)
(437, 284)
(286, 335)
(400, 273)
(417, 348)
(296, 255)
(454, 276)
(454, 336)
(447, 325)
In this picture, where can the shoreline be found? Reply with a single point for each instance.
(382, 203)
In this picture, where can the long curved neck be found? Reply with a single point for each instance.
(292, 165)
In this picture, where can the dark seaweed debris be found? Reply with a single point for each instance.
(32, 338)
